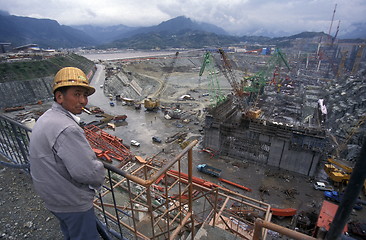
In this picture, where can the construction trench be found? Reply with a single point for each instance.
(278, 154)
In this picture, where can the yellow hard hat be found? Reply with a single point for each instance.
(71, 76)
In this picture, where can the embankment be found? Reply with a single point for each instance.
(29, 81)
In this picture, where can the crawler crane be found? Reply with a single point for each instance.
(153, 102)
(247, 96)
(208, 64)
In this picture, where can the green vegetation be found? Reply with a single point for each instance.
(32, 69)
(164, 40)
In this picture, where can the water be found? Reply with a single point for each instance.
(126, 54)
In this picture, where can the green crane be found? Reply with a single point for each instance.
(267, 75)
(208, 63)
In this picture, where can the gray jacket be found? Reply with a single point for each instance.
(62, 163)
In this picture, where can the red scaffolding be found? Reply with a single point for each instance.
(107, 146)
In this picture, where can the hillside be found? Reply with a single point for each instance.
(28, 82)
(46, 33)
(166, 40)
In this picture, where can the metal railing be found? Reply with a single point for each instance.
(14, 142)
(146, 202)
(162, 203)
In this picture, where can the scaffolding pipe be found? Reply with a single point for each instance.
(147, 183)
(179, 228)
(260, 224)
(190, 190)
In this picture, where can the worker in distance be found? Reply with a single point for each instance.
(64, 168)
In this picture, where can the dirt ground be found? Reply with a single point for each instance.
(23, 215)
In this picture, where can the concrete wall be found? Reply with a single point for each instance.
(19, 93)
(296, 160)
(267, 146)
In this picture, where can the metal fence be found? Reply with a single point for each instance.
(14, 142)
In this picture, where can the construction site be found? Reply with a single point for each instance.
(222, 143)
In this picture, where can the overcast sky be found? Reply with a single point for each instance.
(235, 16)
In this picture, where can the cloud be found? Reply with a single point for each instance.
(235, 16)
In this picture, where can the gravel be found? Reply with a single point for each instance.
(23, 215)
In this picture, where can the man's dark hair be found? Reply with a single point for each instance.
(62, 90)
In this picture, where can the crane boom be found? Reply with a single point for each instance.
(206, 60)
(208, 63)
(228, 72)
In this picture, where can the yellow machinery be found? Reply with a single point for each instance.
(253, 113)
(151, 104)
(337, 175)
(341, 174)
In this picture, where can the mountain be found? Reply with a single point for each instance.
(179, 39)
(357, 30)
(182, 23)
(46, 33)
(200, 39)
(177, 25)
(179, 32)
(105, 34)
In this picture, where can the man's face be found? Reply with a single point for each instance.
(74, 99)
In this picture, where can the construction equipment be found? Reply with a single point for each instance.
(204, 168)
(338, 172)
(208, 63)
(153, 102)
(359, 54)
(271, 74)
(239, 93)
(339, 175)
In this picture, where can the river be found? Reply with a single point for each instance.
(125, 54)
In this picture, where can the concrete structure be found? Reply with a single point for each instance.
(281, 145)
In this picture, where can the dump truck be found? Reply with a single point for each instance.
(207, 169)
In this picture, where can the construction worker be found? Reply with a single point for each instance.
(64, 168)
